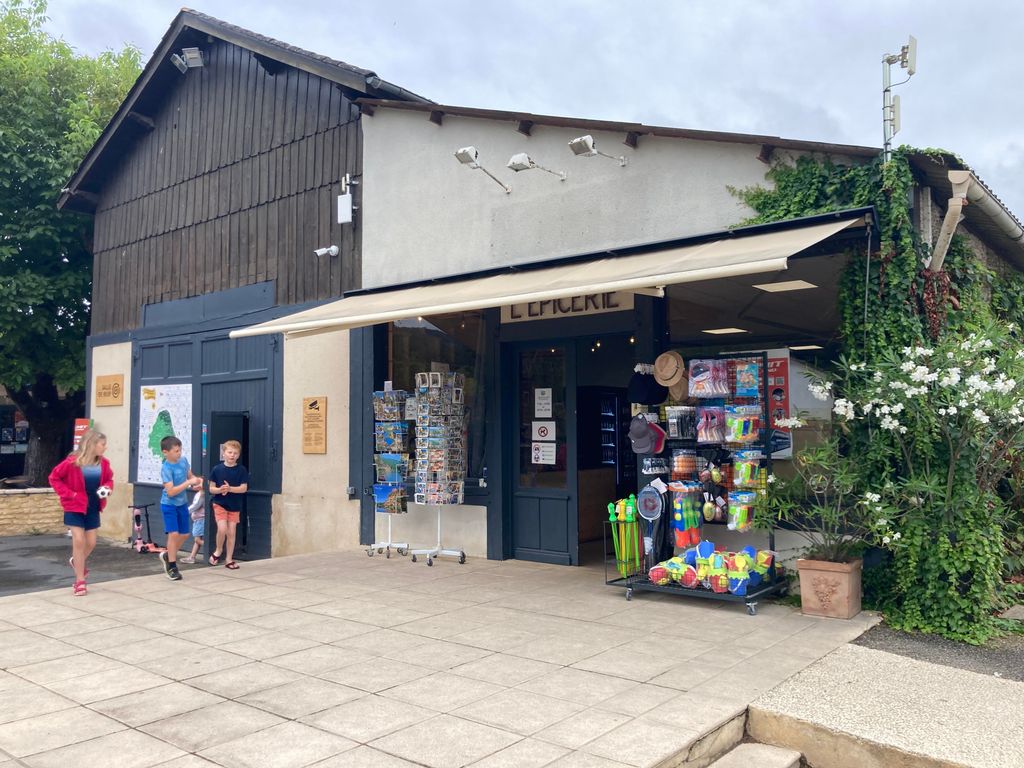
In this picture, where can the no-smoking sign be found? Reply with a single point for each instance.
(543, 430)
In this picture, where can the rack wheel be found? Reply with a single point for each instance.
(369, 552)
(402, 551)
(414, 558)
(629, 594)
(752, 609)
(462, 558)
(380, 550)
(430, 561)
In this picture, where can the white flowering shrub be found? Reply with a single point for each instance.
(934, 429)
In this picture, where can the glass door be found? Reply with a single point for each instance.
(545, 527)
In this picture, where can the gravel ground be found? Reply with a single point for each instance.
(33, 563)
(1002, 657)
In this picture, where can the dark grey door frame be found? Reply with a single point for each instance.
(512, 449)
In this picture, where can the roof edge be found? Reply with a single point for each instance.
(634, 131)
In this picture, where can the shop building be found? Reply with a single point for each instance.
(213, 188)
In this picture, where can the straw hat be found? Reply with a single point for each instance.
(669, 369)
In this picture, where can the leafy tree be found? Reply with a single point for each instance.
(54, 104)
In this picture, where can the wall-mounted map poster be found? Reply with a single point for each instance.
(164, 409)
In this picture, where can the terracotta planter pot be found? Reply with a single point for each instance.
(830, 589)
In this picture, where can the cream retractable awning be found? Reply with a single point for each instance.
(728, 257)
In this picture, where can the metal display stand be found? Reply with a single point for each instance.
(636, 579)
(440, 450)
(384, 547)
(438, 548)
(390, 478)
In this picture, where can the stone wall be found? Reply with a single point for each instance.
(32, 510)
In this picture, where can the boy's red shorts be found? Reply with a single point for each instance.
(219, 513)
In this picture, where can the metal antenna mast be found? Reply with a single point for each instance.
(907, 59)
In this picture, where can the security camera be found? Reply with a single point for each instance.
(331, 250)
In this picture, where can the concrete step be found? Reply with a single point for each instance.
(760, 755)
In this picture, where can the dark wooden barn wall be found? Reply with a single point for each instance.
(236, 184)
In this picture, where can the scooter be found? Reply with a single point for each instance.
(140, 545)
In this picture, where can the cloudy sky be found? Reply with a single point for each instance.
(805, 69)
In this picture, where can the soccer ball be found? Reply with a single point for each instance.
(103, 491)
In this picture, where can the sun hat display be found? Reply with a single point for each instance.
(679, 391)
(669, 368)
(643, 389)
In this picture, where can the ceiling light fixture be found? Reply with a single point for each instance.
(806, 347)
(585, 146)
(523, 162)
(786, 285)
(722, 331)
(468, 156)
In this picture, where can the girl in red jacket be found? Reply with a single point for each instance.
(82, 482)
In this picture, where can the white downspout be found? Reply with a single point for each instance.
(961, 181)
(968, 190)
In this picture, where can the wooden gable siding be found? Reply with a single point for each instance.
(235, 185)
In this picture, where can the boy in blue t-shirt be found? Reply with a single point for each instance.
(229, 482)
(177, 477)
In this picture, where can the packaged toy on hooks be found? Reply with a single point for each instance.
(742, 423)
(709, 378)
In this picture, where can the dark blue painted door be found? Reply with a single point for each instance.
(545, 524)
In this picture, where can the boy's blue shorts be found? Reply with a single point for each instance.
(176, 519)
(199, 528)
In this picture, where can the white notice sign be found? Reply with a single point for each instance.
(542, 403)
(543, 453)
(543, 430)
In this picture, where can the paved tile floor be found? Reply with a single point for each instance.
(338, 659)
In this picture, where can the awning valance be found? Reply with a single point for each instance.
(727, 257)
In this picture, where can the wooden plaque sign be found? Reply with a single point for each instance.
(314, 425)
(110, 390)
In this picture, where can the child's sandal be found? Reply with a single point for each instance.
(79, 589)
(231, 565)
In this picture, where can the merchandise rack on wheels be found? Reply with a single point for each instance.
(633, 577)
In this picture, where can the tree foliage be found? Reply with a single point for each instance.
(54, 103)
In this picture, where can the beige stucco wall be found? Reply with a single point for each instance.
(425, 215)
(313, 512)
(115, 423)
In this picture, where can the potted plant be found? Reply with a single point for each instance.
(825, 504)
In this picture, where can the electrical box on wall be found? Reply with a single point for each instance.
(345, 208)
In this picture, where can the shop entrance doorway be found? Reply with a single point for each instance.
(568, 447)
(545, 527)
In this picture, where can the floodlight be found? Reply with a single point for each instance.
(193, 57)
(523, 162)
(179, 62)
(468, 156)
(585, 146)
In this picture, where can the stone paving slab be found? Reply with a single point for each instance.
(895, 710)
(336, 659)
